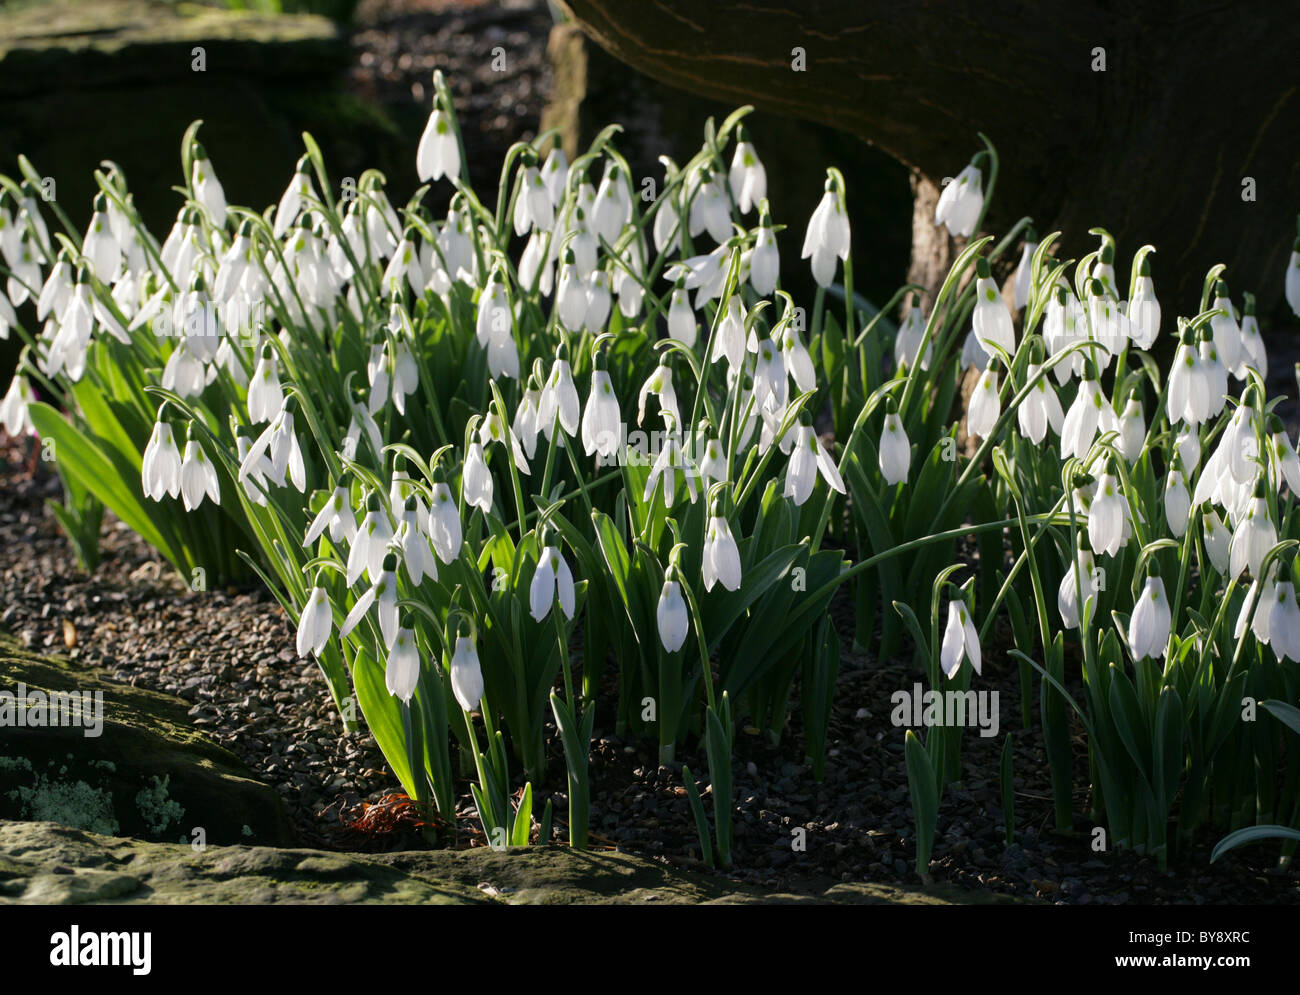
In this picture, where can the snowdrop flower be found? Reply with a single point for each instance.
(256, 481)
(962, 200)
(315, 624)
(291, 204)
(535, 267)
(1189, 387)
(1040, 409)
(160, 466)
(370, 545)
(1253, 538)
(494, 329)
(721, 555)
(382, 593)
(281, 443)
(1227, 334)
(1284, 623)
(895, 450)
(730, 339)
(438, 153)
(1025, 269)
(907, 343)
(1062, 320)
(265, 396)
(533, 205)
(466, 674)
(705, 274)
(1103, 270)
(1144, 309)
(525, 424)
(1105, 322)
(1257, 607)
(1178, 503)
(559, 399)
(476, 479)
(1081, 421)
(601, 420)
(1148, 630)
(960, 640)
(1218, 539)
(666, 466)
(613, 206)
(55, 292)
(1067, 594)
(626, 283)
(13, 409)
(444, 520)
(571, 297)
(671, 614)
(99, 246)
(765, 259)
(807, 459)
(747, 178)
(714, 464)
(828, 235)
(681, 318)
(1284, 461)
(1187, 445)
(410, 538)
(198, 477)
(710, 210)
(555, 173)
(770, 388)
(336, 515)
(552, 580)
(660, 384)
(490, 431)
(1107, 516)
(362, 421)
(985, 405)
(406, 265)
(402, 672)
(598, 302)
(798, 364)
(1132, 430)
(207, 188)
(1253, 354)
(184, 372)
(991, 319)
(25, 273)
(1216, 377)
(1293, 279)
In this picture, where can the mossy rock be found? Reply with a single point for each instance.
(148, 773)
(50, 864)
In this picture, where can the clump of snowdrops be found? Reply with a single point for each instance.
(449, 445)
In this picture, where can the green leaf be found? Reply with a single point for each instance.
(1252, 834)
(1288, 715)
(925, 800)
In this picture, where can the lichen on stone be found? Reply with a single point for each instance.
(71, 803)
(157, 810)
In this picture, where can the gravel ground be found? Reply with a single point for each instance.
(492, 54)
(231, 654)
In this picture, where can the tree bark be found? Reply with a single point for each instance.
(1194, 100)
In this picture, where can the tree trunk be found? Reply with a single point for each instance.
(1194, 101)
